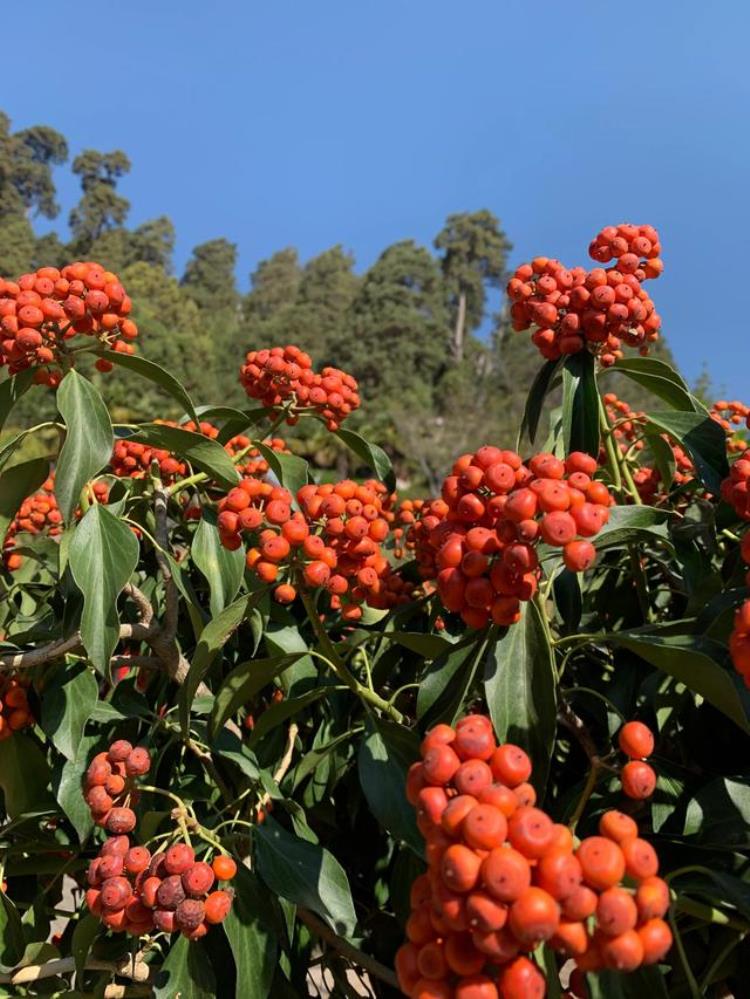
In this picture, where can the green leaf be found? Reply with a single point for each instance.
(290, 706)
(103, 554)
(67, 780)
(703, 439)
(662, 456)
(68, 702)
(203, 453)
(629, 524)
(694, 661)
(645, 983)
(84, 935)
(16, 483)
(289, 469)
(443, 687)
(717, 886)
(11, 391)
(384, 757)
(719, 813)
(568, 599)
(24, 775)
(186, 973)
(580, 409)
(520, 686)
(660, 379)
(213, 638)
(222, 568)
(427, 646)
(244, 682)
(251, 937)
(540, 387)
(230, 747)
(306, 874)
(88, 440)
(371, 454)
(12, 944)
(154, 373)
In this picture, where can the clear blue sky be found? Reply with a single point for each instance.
(309, 124)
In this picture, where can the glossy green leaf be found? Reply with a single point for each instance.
(540, 387)
(700, 663)
(660, 379)
(222, 568)
(204, 454)
(520, 686)
(16, 483)
(645, 983)
(291, 470)
(244, 682)
(11, 390)
(371, 454)
(703, 438)
(84, 934)
(88, 440)
(154, 373)
(385, 754)
(306, 874)
(251, 936)
(213, 638)
(580, 408)
(68, 702)
(719, 813)
(186, 973)
(103, 554)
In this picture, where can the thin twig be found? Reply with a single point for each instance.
(284, 763)
(347, 950)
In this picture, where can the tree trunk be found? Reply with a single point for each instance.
(458, 333)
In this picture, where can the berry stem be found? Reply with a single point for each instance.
(337, 664)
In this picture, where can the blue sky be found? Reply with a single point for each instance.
(309, 124)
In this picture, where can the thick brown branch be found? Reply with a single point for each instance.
(61, 646)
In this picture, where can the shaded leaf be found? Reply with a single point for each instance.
(629, 524)
(541, 385)
(12, 942)
(244, 682)
(251, 937)
(290, 470)
(186, 973)
(68, 702)
(580, 408)
(213, 638)
(703, 438)
(443, 686)
(24, 775)
(67, 782)
(694, 661)
(385, 755)
(660, 379)
(11, 390)
(306, 874)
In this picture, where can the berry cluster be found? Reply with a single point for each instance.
(43, 310)
(636, 741)
(14, 706)
(131, 460)
(735, 489)
(333, 541)
(254, 463)
(503, 877)
(479, 541)
(284, 377)
(109, 785)
(597, 309)
(135, 892)
(730, 415)
(39, 514)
